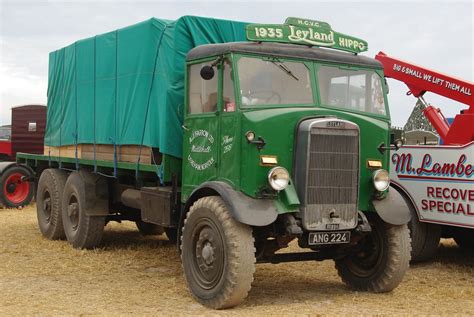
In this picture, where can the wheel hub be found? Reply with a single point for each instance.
(208, 253)
(73, 213)
(72, 210)
(208, 259)
(11, 188)
(15, 190)
(47, 207)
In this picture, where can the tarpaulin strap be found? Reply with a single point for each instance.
(115, 158)
(159, 170)
(115, 162)
(160, 174)
(75, 150)
(62, 105)
(94, 114)
(148, 105)
(116, 102)
(75, 101)
(47, 124)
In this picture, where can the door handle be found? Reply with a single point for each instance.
(185, 128)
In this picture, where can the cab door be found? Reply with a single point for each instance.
(201, 129)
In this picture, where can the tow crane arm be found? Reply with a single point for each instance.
(420, 80)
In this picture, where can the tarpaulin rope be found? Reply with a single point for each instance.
(75, 101)
(116, 101)
(62, 106)
(150, 90)
(94, 104)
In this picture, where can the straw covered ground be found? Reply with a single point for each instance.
(139, 275)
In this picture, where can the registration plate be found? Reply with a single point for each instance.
(318, 238)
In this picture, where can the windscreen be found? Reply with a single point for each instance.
(273, 82)
(359, 90)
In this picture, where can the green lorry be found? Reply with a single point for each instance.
(260, 135)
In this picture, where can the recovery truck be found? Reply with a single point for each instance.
(437, 181)
(254, 135)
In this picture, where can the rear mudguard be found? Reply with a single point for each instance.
(244, 209)
(393, 209)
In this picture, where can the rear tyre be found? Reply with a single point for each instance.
(82, 231)
(48, 203)
(381, 259)
(15, 192)
(148, 229)
(217, 253)
(464, 238)
(424, 239)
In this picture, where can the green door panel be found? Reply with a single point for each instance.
(201, 150)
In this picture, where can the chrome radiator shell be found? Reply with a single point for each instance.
(326, 173)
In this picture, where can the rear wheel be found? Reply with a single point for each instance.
(217, 253)
(48, 203)
(82, 231)
(381, 259)
(16, 192)
(424, 239)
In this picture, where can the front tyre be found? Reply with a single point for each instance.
(217, 253)
(380, 260)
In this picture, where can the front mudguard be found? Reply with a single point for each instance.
(244, 209)
(393, 209)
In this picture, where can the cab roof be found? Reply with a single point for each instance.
(282, 50)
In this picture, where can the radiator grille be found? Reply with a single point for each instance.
(332, 178)
(333, 167)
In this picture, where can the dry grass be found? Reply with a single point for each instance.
(137, 275)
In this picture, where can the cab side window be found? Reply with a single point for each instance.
(202, 96)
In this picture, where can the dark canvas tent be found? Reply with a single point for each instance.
(127, 86)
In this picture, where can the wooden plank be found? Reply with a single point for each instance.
(125, 153)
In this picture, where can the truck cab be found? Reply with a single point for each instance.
(293, 141)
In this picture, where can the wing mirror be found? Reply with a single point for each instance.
(207, 72)
(394, 147)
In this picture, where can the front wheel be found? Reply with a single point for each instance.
(380, 260)
(217, 253)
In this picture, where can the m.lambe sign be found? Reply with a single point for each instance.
(440, 181)
(305, 32)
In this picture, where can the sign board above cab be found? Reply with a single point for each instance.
(305, 32)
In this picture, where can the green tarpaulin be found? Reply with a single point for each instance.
(127, 86)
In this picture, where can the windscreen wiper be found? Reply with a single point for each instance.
(282, 66)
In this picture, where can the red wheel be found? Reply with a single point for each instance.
(15, 192)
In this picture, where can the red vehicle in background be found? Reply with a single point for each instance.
(5, 144)
(436, 181)
(26, 135)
